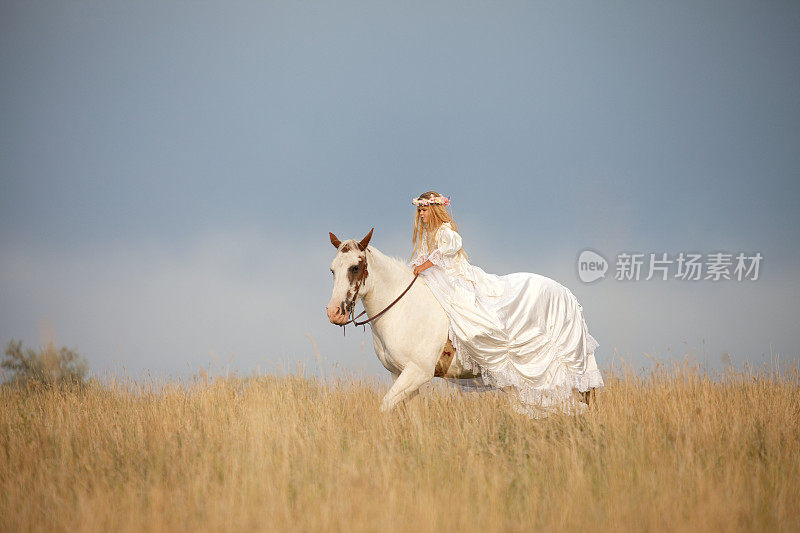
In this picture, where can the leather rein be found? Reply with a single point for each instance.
(364, 322)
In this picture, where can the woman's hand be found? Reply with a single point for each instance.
(424, 266)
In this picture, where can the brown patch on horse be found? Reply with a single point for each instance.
(445, 360)
(588, 397)
(348, 303)
(356, 279)
(360, 273)
(345, 248)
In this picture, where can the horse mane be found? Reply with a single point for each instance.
(396, 261)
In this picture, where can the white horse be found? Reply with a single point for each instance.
(411, 338)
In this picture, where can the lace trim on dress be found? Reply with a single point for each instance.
(528, 399)
(436, 258)
(418, 260)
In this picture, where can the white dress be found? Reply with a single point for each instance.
(521, 330)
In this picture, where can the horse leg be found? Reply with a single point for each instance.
(405, 385)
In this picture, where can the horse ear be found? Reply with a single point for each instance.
(365, 241)
(334, 240)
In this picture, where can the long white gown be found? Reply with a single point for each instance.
(521, 330)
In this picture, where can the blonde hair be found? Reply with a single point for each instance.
(437, 215)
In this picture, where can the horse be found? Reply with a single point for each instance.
(411, 337)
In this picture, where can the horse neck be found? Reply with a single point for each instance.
(388, 280)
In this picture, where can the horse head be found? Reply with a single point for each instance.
(350, 277)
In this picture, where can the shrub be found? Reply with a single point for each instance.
(50, 366)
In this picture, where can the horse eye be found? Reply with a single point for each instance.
(353, 268)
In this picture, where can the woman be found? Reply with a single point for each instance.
(520, 330)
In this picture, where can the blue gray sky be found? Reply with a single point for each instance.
(169, 170)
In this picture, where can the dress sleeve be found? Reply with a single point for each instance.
(448, 244)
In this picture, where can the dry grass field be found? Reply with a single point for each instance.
(673, 450)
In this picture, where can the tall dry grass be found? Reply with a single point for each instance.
(673, 450)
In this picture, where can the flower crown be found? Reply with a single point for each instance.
(441, 200)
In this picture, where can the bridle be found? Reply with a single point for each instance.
(364, 322)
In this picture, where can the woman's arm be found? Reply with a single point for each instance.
(424, 266)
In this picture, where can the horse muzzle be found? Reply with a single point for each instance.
(336, 316)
